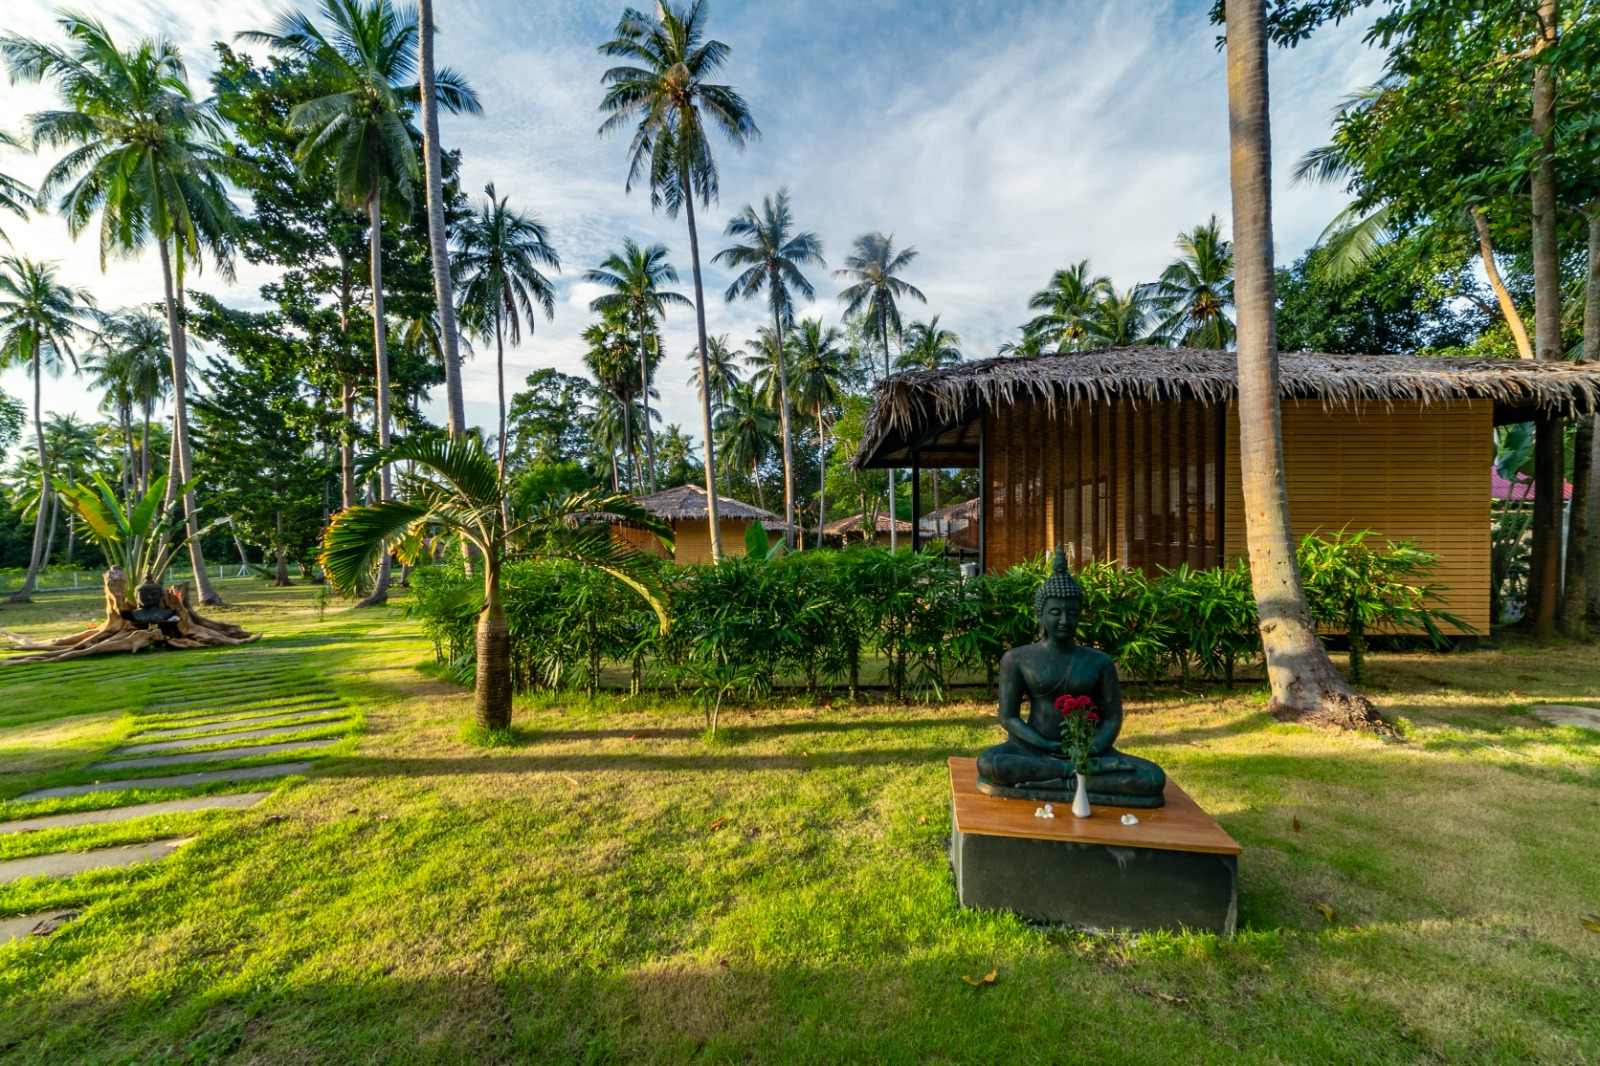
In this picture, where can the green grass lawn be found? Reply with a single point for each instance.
(618, 888)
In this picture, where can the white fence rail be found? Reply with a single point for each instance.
(81, 580)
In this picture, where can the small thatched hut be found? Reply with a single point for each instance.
(685, 509)
(854, 528)
(1132, 454)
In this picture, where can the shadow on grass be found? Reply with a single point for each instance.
(740, 728)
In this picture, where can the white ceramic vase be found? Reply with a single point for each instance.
(1080, 801)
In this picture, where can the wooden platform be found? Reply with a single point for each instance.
(1175, 869)
(1179, 826)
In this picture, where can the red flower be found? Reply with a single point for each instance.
(1094, 717)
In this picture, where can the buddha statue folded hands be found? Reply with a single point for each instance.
(1032, 763)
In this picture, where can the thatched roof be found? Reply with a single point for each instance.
(936, 411)
(853, 524)
(689, 502)
(956, 512)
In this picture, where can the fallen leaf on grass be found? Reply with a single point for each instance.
(986, 979)
(922, 821)
(1592, 923)
(639, 736)
(1327, 911)
(1296, 823)
(1171, 999)
(718, 824)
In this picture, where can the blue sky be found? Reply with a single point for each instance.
(1002, 139)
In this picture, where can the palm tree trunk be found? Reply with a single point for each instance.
(281, 578)
(644, 392)
(1583, 555)
(491, 694)
(434, 175)
(822, 477)
(500, 377)
(129, 485)
(883, 329)
(705, 376)
(783, 402)
(1305, 685)
(179, 342)
(1502, 295)
(761, 493)
(35, 558)
(1544, 567)
(380, 350)
(144, 450)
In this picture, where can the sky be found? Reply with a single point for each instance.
(1002, 139)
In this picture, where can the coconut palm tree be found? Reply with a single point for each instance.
(723, 362)
(772, 256)
(39, 316)
(819, 383)
(131, 364)
(1305, 686)
(149, 159)
(874, 268)
(498, 255)
(1067, 307)
(14, 195)
(360, 128)
(1196, 291)
(929, 347)
(662, 92)
(452, 487)
(1028, 346)
(1124, 318)
(612, 359)
(635, 276)
(747, 434)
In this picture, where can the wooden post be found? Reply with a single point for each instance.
(916, 501)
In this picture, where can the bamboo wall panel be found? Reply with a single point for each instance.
(692, 539)
(1401, 470)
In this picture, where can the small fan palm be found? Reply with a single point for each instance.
(453, 488)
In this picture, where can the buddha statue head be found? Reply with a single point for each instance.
(148, 592)
(1058, 602)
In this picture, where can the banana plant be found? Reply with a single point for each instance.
(142, 539)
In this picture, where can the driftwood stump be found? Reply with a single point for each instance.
(122, 632)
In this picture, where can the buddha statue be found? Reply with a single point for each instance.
(151, 611)
(1031, 764)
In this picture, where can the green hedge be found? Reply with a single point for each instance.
(813, 617)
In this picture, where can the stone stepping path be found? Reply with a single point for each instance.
(217, 738)
(213, 756)
(235, 697)
(199, 777)
(222, 725)
(33, 925)
(127, 814)
(209, 709)
(1563, 714)
(67, 863)
(202, 719)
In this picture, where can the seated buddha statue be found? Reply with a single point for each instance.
(1031, 763)
(151, 611)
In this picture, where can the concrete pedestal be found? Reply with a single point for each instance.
(1175, 869)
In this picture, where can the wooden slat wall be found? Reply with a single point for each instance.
(1403, 470)
(692, 539)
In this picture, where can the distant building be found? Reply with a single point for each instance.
(686, 511)
(855, 529)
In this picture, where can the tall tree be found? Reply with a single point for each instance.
(873, 266)
(612, 358)
(131, 363)
(635, 277)
(771, 256)
(1197, 289)
(39, 315)
(663, 93)
(929, 346)
(1126, 317)
(819, 384)
(360, 126)
(438, 239)
(1067, 307)
(149, 159)
(723, 362)
(15, 197)
(1305, 685)
(498, 255)
(746, 432)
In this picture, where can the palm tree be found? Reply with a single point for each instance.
(1067, 305)
(635, 276)
(929, 347)
(1028, 346)
(819, 383)
(611, 358)
(149, 160)
(874, 267)
(451, 487)
(772, 257)
(438, 237)
(747, 432)
(1195, 292)
(14, 195)
(39, 315)
(71, 450)
(1124, 318)
(361, 130)
(131, 363)
(722, 361)
(1305, 686)
(498, 255)
(664, 95)
(677, 456)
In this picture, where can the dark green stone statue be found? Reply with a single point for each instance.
(1030, 764)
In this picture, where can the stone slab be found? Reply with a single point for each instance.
(1175, 869)
(138, 810)
(213, 705)
(220, 738)
(248, 720)
(1563, 714)
(213, 756)
(199, 777)
(67, 863)
(27, 925)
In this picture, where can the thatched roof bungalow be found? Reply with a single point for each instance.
(1133, 453)
(855, 528)
(687, 511)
